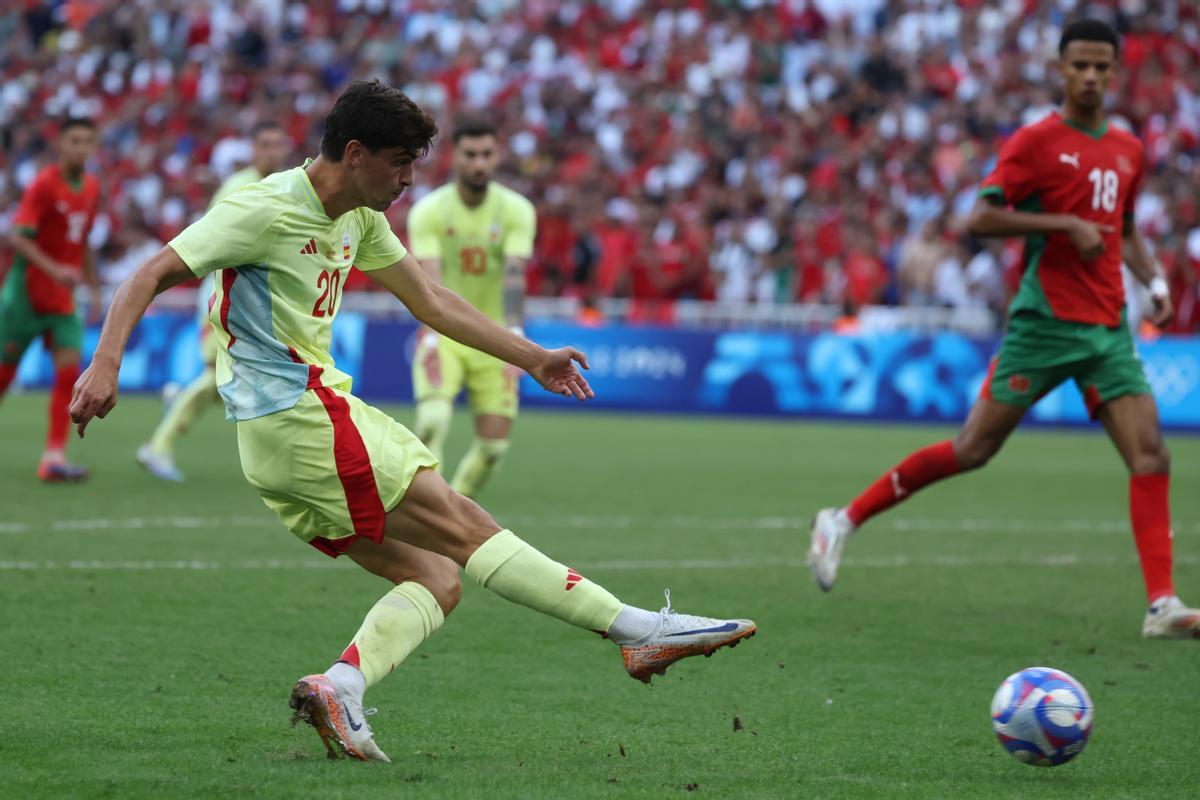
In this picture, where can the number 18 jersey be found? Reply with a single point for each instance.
(283, 265)
(1056, 167)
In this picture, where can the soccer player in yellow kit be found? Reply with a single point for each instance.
(343, 476)
(473, 236)
(157, 456)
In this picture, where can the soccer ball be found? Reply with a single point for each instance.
(1042, 716)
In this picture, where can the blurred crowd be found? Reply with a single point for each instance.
(746, 151)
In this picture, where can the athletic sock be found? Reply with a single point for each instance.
(520, 574)
(433, 425)
(920, 469)
(477, 465)
(7, 373)
(59, 409)
(633, 624)
(1150, 513)
(184, 410)
(401, 620)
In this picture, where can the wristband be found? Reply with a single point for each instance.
(1158, 286)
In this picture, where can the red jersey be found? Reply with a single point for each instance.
(60, 217)
(1055, 167)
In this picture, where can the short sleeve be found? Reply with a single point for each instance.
(34, 204)
(379, 247)
(1135, 188)
(235, 232)
(423, 239)
(1015, 176)
(521, 229)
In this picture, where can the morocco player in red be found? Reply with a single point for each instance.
(1068, 185)
(50, 233)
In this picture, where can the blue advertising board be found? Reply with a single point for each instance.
(893, 376)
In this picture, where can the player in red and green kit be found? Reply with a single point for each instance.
(1068, 185)
(50, 233)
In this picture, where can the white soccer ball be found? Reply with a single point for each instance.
(1042, 716)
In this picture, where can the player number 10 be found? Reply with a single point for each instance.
(474, 260)
(1105, 183)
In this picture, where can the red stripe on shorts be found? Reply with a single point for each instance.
(228, 276)
(353, 464)
(985, 391)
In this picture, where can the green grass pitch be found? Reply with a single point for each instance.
(151, 633)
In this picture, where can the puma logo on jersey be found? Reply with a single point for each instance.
(896, 487)
(1072, 159)
(309, 249)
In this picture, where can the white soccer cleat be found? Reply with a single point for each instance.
(337, 716)
(160, 466)
(1169, 618)
(828, 539)
(679, 636)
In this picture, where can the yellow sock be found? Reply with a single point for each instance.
(520, 574)
(401, 620)
(433, 425)
(184, 410)
(477, 465)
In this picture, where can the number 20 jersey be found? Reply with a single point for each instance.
(284, 262)
(1056, 167)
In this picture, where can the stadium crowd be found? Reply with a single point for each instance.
(739, 150)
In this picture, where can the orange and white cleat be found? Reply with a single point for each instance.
(316, 700)
(1169, 618)
(679, 636)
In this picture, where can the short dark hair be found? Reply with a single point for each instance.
(264, 125)
(472, 126)
(1089, 30)
(378, 116)
(76, 122)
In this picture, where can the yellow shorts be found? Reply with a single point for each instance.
(331, 466)
(490, 383)
(208, 346)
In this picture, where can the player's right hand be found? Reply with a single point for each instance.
(94, 396)
(1088, 237)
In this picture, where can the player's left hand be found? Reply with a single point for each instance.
(94, 396)
(556, 373)
(1163, 310)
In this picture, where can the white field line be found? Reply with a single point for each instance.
(962, 525)
(1052, 560)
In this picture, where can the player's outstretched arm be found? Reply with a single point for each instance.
(450, 315)
(96, 390)
(989, 217)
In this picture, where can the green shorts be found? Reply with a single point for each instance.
(20, 324)
(331, 467)
(1039, 353)
(491, 384)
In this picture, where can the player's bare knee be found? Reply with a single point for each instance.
(1153, 460)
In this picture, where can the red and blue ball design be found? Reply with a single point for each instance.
(1042, 716)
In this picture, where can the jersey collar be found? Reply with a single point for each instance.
(1095, 133)
(309, 191)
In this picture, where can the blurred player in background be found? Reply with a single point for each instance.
(474, 237)
(343, 476)
(50, 238)
(1071, 182)
(269, 154)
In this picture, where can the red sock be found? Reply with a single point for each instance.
(1150, 512)
(915, 472)
(60, 404)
